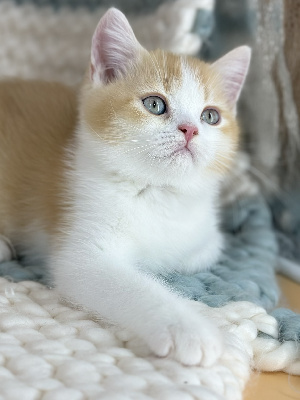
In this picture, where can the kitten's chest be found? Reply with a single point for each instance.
(172, 230)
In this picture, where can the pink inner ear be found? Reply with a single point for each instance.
(233, 68)
(114, 47)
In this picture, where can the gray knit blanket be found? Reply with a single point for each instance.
(245, 272)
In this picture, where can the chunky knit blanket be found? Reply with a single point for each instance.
(50, 351)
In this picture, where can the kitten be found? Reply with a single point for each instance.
(127, 187)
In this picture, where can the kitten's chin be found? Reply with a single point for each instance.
(183, 153)
(181, 168)
(181, 158)
(185, 174)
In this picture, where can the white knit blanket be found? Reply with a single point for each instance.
(49, 351)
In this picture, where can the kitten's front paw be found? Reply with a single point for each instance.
(191, 340)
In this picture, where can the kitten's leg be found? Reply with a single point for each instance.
(108, 285)
(7, 251)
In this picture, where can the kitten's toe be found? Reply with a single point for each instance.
(197, 343)
(213, 349)
(191, 340)
(188, 351)
(161, 344)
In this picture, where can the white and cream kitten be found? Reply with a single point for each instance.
(126, 188)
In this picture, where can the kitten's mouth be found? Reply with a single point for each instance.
(182, 151)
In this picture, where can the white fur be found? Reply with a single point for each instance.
(140, 208)
(135, 216)
(121, 233)
(143, 207)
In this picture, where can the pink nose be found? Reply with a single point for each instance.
(189, 131)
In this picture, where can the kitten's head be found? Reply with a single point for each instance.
(157, 117)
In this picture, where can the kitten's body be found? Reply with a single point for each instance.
(37, 124)
(127, 194)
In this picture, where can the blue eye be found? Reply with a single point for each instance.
(155, 105)
(210, 116)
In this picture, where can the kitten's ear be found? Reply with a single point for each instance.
(114, 47)
(233, 68)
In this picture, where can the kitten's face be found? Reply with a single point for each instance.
(166, 119)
